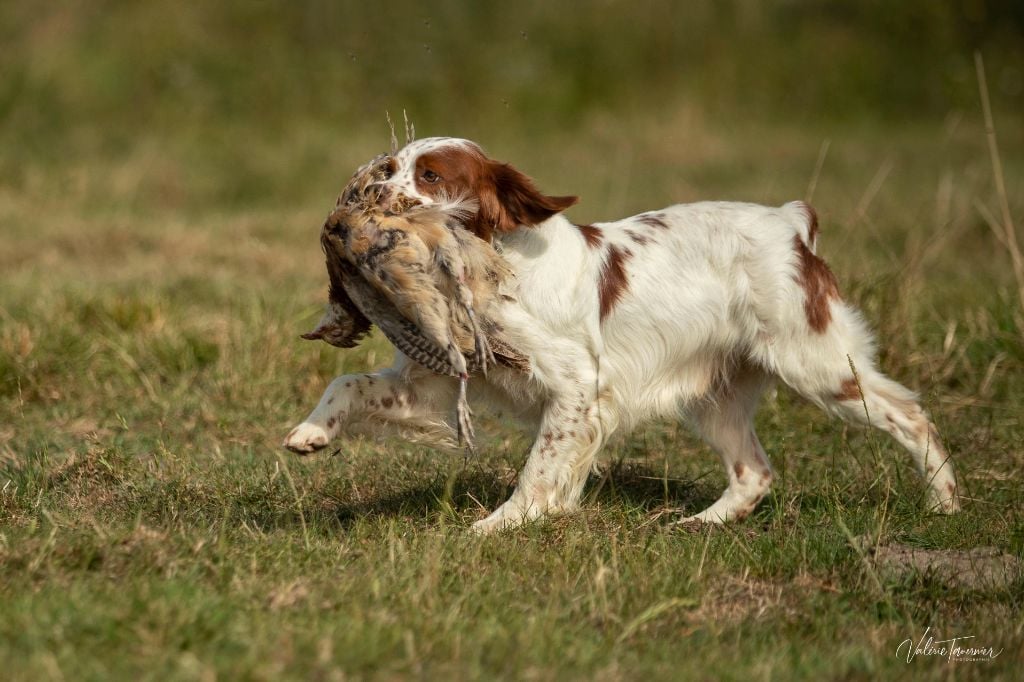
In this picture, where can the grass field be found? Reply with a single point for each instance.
(164, 171)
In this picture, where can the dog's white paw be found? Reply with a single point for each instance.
(946, 503)
(493, 525)
(512, 514)
(306, 438)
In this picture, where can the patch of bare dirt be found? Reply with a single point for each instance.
(977, 568)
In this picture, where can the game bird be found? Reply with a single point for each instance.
(420, 276)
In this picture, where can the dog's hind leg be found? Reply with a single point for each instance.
(725, 421)
(835, 369)
(820, 345)
(868, 397)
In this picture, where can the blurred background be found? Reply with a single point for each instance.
(243, 103)
(165, 168)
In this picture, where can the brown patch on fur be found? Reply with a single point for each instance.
(507, 198)
(652, 219)
(330, 423)
(951, 489)
(849, 390)
(640, 239)
(592, 234)
(330, 401)
(738, 468)
(387, 402)
(613, 283)
(819, 284)
(766, 476)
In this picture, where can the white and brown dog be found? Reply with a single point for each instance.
(689, 311)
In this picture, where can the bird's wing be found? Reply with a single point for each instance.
(405, 335)
(385, 272)
(504, 353)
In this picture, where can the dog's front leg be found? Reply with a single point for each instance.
(551, 482)
(416, 401)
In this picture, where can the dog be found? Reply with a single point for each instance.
(690, 311)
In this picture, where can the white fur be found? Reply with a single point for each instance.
(713, 313)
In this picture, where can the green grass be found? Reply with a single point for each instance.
(165, 172)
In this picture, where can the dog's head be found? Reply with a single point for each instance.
(445, 170)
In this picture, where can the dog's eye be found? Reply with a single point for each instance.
(431, 177)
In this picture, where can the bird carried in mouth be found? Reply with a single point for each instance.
(420, 276)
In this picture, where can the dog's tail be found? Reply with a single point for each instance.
(806, 218)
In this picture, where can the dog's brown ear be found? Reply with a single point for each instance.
(509, 199)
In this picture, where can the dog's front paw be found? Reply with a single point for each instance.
(492, 525)
(512, 514)
(306, 438)
(948, 502)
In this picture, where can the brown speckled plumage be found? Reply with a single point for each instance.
(416, 273)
